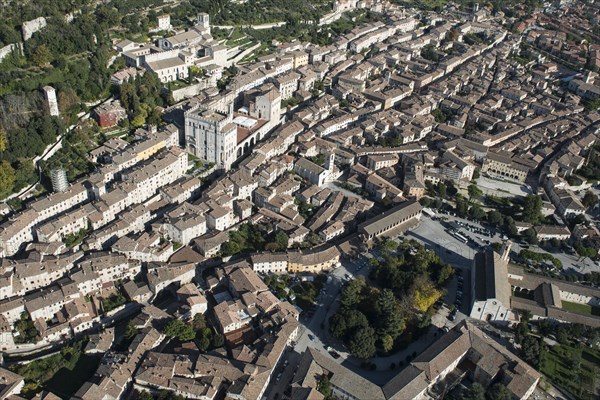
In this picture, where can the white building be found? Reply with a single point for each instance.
(211, 136)
(183, 224)
(268, 263)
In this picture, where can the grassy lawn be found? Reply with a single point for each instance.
(178, 84)
(236, 34)
(574, 369)
(580, 308)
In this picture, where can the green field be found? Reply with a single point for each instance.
(580, 308)
(576, 370)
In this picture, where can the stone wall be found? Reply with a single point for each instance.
(31, 27)
(6, 50)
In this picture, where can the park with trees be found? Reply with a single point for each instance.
(394, 307)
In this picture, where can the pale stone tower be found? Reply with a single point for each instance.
(203, 21)
(51, 101)
(164, 22)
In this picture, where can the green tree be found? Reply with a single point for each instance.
(347, 321)
(388, 246)
(218, 340)
(530, 236)
(390, 321)
(475, 392)
(203, 342)
(41, 55)
(589, 199)
(441, 190)
(532, 209)
(130, 331)
(498, 392)
(510, 227)
(229, 248)
(27, 330)
(530, 347)
(144, 395)
(474, 192)
(495, 218)
(362, 344)
(3, 141)
(387, 342)
(351, 294)
(7, 179)
(461, 206)
(199, 322)
(439, 116)
(324, 386)
(282, 239)
(179, 329)
(477, 212)
(25, 173)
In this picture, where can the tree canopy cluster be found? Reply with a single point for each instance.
(73, 156)
(27, 331)
(199, 330)
(250, 238)
(19, 146)
(141, 97)
(262, 11)
(408, 283)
